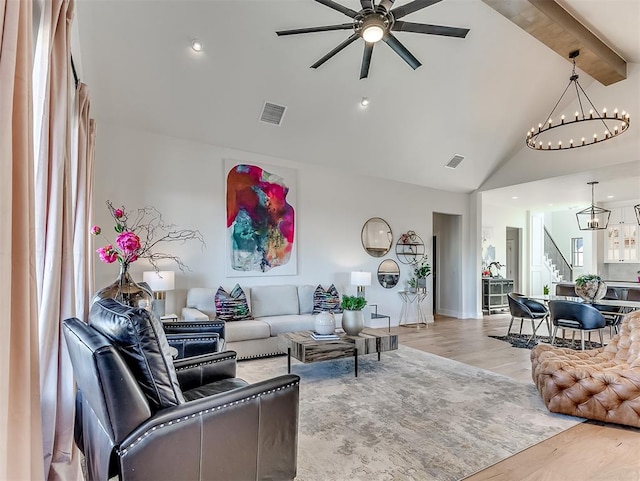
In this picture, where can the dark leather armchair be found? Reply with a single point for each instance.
(140, 416)
(523, 308)
(576, 316)
(193, 338)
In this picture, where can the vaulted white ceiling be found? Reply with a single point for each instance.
(475, 96)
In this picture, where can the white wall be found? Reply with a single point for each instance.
(562, 227)
(495, 220)
(184, 180)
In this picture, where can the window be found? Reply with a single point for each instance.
(577, 252)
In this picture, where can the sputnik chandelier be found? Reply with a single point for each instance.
(570, 137)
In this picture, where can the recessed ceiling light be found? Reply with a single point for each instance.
(514, 197)
(196, 45)
(609, 197)
(550, 205)
(365, 101)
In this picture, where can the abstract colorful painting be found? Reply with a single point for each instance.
(260, 220)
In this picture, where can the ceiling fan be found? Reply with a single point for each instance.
(376, 22)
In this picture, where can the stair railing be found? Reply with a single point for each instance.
(553, 253)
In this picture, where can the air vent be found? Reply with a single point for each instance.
(272, 113)
(455, 161)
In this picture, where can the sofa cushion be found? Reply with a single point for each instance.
(326, 300)
(305, 298)
(274, 301)
(232, 306)
(246, 330)
(202, 299)
(299, 322)
(139, 337)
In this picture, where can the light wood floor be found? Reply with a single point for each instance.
(587, 452)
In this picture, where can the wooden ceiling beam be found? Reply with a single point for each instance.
(552, 25)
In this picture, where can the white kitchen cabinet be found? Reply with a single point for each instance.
(621, 242)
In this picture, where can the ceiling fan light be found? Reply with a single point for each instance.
(372, 33)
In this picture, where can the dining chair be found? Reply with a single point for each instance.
(576, 316)
(523, 308)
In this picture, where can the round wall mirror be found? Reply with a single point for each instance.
(376, 237)
(388, 273)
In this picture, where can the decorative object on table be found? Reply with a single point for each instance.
(388, 273)
(376, 237)
(410, 248)
(412, 284)
(614, 124)
(545, 290)
(590, 287)
(352, 318)
(361, 280)
(232, 306)
(377, 22)
(260, 223)
(593, 217)
(326, 300)
(160, 282)
(494, 269)
(421, 272)
(137, 235)
(325, 323)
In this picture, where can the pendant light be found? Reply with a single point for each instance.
(593, 217)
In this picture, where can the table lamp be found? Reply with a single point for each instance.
(360, 279)
(160, 282)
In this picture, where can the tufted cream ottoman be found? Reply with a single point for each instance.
(601, 384)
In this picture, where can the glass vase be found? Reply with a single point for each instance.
(126, 291)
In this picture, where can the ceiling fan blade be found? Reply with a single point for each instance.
(366, 59)
(340, 8)
(401, 26)
(411, 7)
(401, 50)
(366, 4)
(386, 4)
(344, 44)
(342, 26)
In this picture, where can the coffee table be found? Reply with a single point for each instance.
(304, 348)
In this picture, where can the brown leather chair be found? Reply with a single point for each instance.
(601, 384)
(140, 416)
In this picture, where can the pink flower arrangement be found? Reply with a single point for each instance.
(128, 244)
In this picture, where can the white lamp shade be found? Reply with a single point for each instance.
(361, 278)
(160, 281)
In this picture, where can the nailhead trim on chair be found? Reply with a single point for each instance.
(258, 356)
(123, 451)
(213, 361)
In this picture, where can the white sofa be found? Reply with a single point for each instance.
(275, 309)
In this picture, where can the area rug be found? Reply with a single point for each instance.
(522, 340)
(411, 416)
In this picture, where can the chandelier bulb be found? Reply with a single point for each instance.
(604, 112)
(562, 119)
(591, 113)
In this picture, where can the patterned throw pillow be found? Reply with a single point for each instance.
(328, 300)
(232, 307)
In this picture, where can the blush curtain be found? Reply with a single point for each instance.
(20, 428)
(63, 139)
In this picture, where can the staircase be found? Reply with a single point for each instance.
(558, 266)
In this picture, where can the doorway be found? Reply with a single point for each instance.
(447, 259)
(514, 261)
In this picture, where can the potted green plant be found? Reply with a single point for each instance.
(413, 284)
(590, 287)
(352, 318)
(421, 272)
(545, 290)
